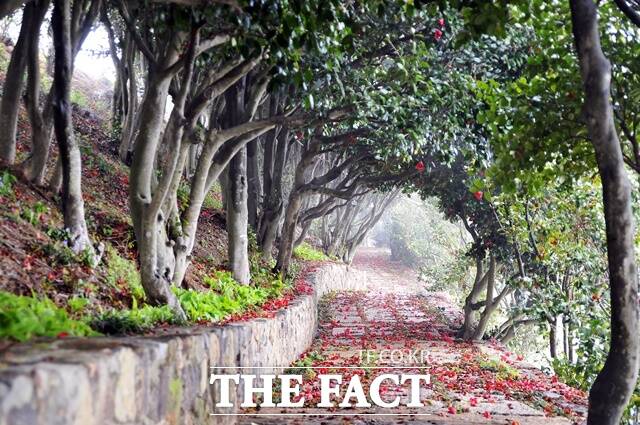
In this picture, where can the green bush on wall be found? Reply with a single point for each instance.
(24, 317)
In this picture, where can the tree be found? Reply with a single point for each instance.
(612, 389)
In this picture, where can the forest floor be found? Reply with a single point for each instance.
(470, 383)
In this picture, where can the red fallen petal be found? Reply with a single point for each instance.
(486, 414)
(62, 335)
(452, 410)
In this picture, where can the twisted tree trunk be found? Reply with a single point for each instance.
(479, 283)
(616, 381)
(72, 202)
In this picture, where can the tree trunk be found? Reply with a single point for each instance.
(82, 18)
(12, 89)
(377, 210)
(288, 231)
(285, 249)
(273, 204)
(41, 141)
(490, 302)
(343, 220)
(236, 201)
(553, 339)
(270, 141)
(254, 192)
(40, 120)
(303, 233)
(72, 202)
(508, 335)
(237, 218)
(479, 284)
(565, 338)
(130, 93)
(155, 254)
(571, 354)
(616, 381)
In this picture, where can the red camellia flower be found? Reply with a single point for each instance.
(478, 195)
(441, 22)
(420, 166)
(437, 34)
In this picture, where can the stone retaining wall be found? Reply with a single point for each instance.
(154, 380)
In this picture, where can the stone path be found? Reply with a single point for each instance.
(405, 329)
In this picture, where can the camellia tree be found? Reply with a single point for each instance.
(549, 124)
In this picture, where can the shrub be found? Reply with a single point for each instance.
(136, 320)
(79, 98)
(24, 317)
(502, 370)
(306, 252)
(77, 304)
(6, 183)
(227, 296)
(213, 200)
(34, 213)
(123, 272)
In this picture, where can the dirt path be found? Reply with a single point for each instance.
(405, 329)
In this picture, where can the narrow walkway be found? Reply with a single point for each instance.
(396, 317)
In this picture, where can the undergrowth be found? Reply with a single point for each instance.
(227, 296)
(24, 317)
(306, 252)
(123, 272)
(502, 370)
(136, 320)
(6, 184)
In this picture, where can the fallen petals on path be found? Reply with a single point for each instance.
(396, 317)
